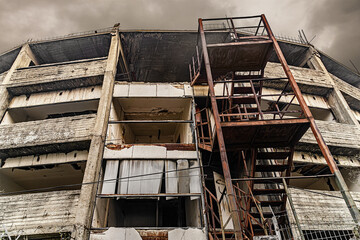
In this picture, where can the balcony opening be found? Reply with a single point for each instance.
(49, 111)
(149, 193)
(318, 113)
(41, 178)
(150, 121)
(152, 213)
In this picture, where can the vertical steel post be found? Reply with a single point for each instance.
(203, 206)
(354, 211)
(223, 155)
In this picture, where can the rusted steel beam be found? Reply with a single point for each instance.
(224, 160)
(264, 122)
(216, 19)
(254, 179)
(247, 78)
(320, 140)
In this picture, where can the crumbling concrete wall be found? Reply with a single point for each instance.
(50, 131)
(39, 213)
(341, 138)
(53, 77)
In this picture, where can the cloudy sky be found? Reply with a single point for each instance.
(334, 22)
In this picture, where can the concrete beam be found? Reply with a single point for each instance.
(39, 213)
(336, 100)
(23, 59)
(93, 165)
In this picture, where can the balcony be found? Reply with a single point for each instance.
(39, 213)
(58, 76)
(43, 136)
(342, 139)
(310, 81)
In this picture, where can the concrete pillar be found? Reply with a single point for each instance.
(23, 59)
(336, 100)
(93, 165)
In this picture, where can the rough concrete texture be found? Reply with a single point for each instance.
(187, 234)
(46, 132)
(117, 234)
(39, 213)
(342, 139)
(148, 152)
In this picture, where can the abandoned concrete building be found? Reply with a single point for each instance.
(220, 133)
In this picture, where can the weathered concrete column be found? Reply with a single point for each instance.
(342, 112)
(23, 59)
(336, 100)
(93, 165)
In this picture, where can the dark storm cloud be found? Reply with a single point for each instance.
(336, 25)
(333, 21)
(36, 19)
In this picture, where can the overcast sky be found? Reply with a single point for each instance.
(334, 22)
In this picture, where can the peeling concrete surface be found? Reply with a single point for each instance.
(187, 234)
(117, 234)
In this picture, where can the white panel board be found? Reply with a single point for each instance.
(111, 172)
(183, 175)
(195, 181)
(123, 177)
(171, 178)
(140, 176)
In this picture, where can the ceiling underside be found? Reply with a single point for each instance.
(156, 56)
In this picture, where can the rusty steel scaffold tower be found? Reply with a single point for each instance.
(235, 118)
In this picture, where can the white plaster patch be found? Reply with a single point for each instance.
(121, 90)
(186, 234)
(156, 152)
(117, 234)
(167, 90)
(175, 154)
(118, 154)
(142, 90)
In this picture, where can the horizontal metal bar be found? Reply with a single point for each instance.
(226, 28)
(228, 18)
(238, 43)
(256, 113)
(265, 122)
(254, 80)
(148, 195)
(277, 178)
(151, 121)
(253, 96)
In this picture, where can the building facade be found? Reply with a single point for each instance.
(114, 134)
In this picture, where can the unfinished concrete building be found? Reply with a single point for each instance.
(220, 133)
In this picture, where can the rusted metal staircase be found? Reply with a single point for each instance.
(238, 115)
(270, 194)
